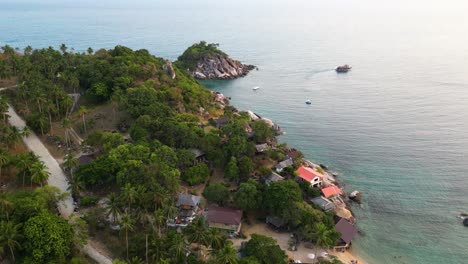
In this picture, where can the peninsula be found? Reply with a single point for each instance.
(158, 168)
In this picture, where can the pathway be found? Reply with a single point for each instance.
(57, 177)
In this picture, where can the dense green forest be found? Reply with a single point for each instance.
(139, 178)
(190, 57)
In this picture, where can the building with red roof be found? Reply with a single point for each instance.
(310, 175)
(331, 191)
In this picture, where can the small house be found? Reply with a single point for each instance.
(323, 203)
(199, 155)
(188, 205)
(260, 148)
(331, 191)
(224, 219)
(310, 175)
(86, 158)
(283, 164)
(347, 231)
(273, 177)
(275, 221)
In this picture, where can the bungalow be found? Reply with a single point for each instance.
(285, 163)
(225, 219)
(331, 191)
(310, 175)
(260, 148)
(188, 205)
(199, 155)
(273, 177)
(275, 221)
(222, 121)
(323, 203)
(347, 231)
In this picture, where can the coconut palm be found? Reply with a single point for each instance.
(159, 219)
(324, 237)
(216, 239)
(76, 186)
(197, 232)
(9, 236)
(178, 246)
(39, 174)
(5, 205)
(3, 108)
(4, 159)
(227, 254)
(113, 207)
(14, 136)
(129, 195)
(66, 124)
(127, 224)
(23, 163)
(70, 163)
(83, 111)
(26, 131)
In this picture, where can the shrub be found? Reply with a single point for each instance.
(89, 201)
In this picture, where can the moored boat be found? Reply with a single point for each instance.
(308, 102)
(343, 68)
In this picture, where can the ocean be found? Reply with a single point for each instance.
(394, 128)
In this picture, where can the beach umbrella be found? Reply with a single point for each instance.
(324, 254)
(311, 256)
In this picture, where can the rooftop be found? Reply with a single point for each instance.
(331, 191)
(274, 177)
(223, 215)
(308, 174)
(188, 199)
(347, 230)
(323, 202)
(261, 147)
(197, 152)
(284, 164)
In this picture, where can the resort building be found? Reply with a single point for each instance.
(188, 208)
(307, 174)
(331, 191)
(285, 163)
(199, 155)
(260, 148)
(273, 177)
(323, 203)
(347, 231)
(224, 219)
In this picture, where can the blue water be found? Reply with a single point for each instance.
(395, 127)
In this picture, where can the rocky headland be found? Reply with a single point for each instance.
(206, 62)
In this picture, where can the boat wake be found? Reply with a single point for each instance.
(312, 74)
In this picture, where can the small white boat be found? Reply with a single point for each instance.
(256, 88)
(308, 102)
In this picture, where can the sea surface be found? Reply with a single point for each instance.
(394, 128)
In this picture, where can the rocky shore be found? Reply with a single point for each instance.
(220, 67)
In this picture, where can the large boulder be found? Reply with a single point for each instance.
(167, 67)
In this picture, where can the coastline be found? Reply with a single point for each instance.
(347, 256)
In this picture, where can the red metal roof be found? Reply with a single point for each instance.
(331, 191)
(308, 174)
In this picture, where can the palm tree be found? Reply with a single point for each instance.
(324, 237)
(63, 48)
(70, 162)
(76, 186)
(24, 161)
(83, 111)
(9, 236)
(113, 206)
(66, 124)
(216, 239)
(28, 50)
(4, 159)
(197, 232)
(90, 51)
(5, 205)
(3, 108)
(127, 224)
(129, 195)
(178, 246)
(159, 220)
(227, 254)
(26, 132)
(39, 174)
(14, 136)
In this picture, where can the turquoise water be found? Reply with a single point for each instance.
(395, 127)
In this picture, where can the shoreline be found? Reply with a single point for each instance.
(347, 256)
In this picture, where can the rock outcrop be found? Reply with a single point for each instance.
(220, 67)
(167, 67)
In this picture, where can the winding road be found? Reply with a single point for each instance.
(57, 177)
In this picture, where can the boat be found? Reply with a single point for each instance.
(308, 102)
(343, 68)
(256, 88)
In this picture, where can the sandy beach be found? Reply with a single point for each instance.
(282, 239)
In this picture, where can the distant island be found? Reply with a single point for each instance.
(206, 62)
(141, 159)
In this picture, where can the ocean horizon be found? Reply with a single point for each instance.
(394, 127)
